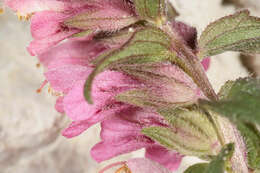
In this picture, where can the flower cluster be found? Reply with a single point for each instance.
(70, 36)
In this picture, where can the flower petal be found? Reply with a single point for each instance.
(72, 49)
(39, 46)
(169, 159)
(121, 133)
(59, 105)
(76, 128)
(107, 85)
(107, 149)
(65, 72)
(141, 165)
(46, 23)
(205, 62)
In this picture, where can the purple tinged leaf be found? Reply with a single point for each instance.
(164, 85)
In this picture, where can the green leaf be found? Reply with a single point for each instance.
(174, 140)
(197, 168)
(147, 45)
(240, 101)
(251, 137)
(217, 165)
(150, 9)
(237, 32)
(190, 132)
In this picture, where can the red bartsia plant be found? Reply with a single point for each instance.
(129, 65)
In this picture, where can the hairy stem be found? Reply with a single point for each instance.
(225, 130)
(190, 62)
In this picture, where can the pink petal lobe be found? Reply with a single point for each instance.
(141, 165)
(169, 159)
(206, 63)
(39, 46)
(106, 86)
(59, 105)
(121, 133)
(46, 23)
(83, 49)
(64, 73)
(76, 128)
(108, 149)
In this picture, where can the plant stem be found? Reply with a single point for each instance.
(225, 130)
(189, 62)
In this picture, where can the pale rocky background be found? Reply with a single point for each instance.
(30, 139)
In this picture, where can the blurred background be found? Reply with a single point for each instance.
(30, 139)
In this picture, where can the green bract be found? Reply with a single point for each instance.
(190, 132)
(164, 85)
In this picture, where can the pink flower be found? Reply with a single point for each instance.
(122, 134)
(69, 66)
(47, 30)
(169, 159)
(56, 20)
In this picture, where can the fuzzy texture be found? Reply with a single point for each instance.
(69, 64)
(41, 105)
